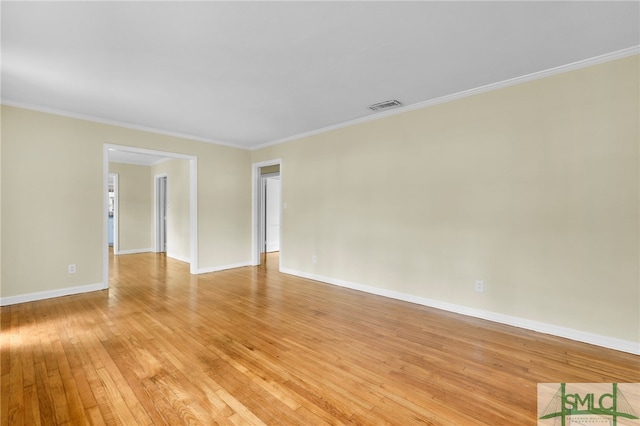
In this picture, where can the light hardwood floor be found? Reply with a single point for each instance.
(253, 346)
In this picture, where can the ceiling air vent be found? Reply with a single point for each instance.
(385, 105)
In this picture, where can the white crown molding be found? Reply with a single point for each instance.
(466, 93)
(630, 51)
(554, 330)
(63, 113)
(42, 295)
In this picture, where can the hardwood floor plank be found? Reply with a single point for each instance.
(31, 406)
(253, 346)
(45, 395)
(241, 415)
(15, 409)
(94, 416)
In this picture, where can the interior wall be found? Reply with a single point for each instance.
(0, 200)
(135, 207)
(270, 169)
(178, 222)
(533, 188)
(53, 199)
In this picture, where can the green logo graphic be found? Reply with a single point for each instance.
(578, 403)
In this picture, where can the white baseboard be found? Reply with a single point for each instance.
(32, 297)
(555, 330)
(178, 257)
(224, 267)
(134, 251)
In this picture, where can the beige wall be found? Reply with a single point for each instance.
(533, 188)
(0, 200)
(52, 199)
(135, 207)
(178, 221)
(270, 169)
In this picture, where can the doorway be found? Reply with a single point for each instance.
(113, 151)
(266, 210)
(271, 222)
(113, 212)
(160, 208)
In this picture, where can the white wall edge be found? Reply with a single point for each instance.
(178, 257)
(555, 330)
(42, 295)
(193, 215)
(134, 251)
(224, 267)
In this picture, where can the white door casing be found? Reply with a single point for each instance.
(272, 213)
(161, 212)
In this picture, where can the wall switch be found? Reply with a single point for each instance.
(285, 205)
(71, 269)
(480, 286)
(314, 259)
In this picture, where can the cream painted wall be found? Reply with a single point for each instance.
(135, 206)
(270, 169)
(533, 188)
(52, 199)
(177, 206)
(0, 200)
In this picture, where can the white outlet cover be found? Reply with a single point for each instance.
(480, 286)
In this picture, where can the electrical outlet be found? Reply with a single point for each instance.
(71, 269)
(480, 286)
(314, 259)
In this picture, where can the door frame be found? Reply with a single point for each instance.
(257, 210)
(160, 245)
(263, 210)
(193, 202)
(116, 246)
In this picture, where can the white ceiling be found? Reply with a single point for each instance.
(251, 73)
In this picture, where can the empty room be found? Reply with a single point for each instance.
(305, 213)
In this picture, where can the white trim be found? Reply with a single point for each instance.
(607, 57)
(105, 216)
(135, 251)
(255, 206)
(193, 215)
(224, 267)
(50, 294)
(116, 212)
(541, 327)
(264, 180)
(156, 208)
(178, 257)
(94, 119)
(155, 152)
(465, 93)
